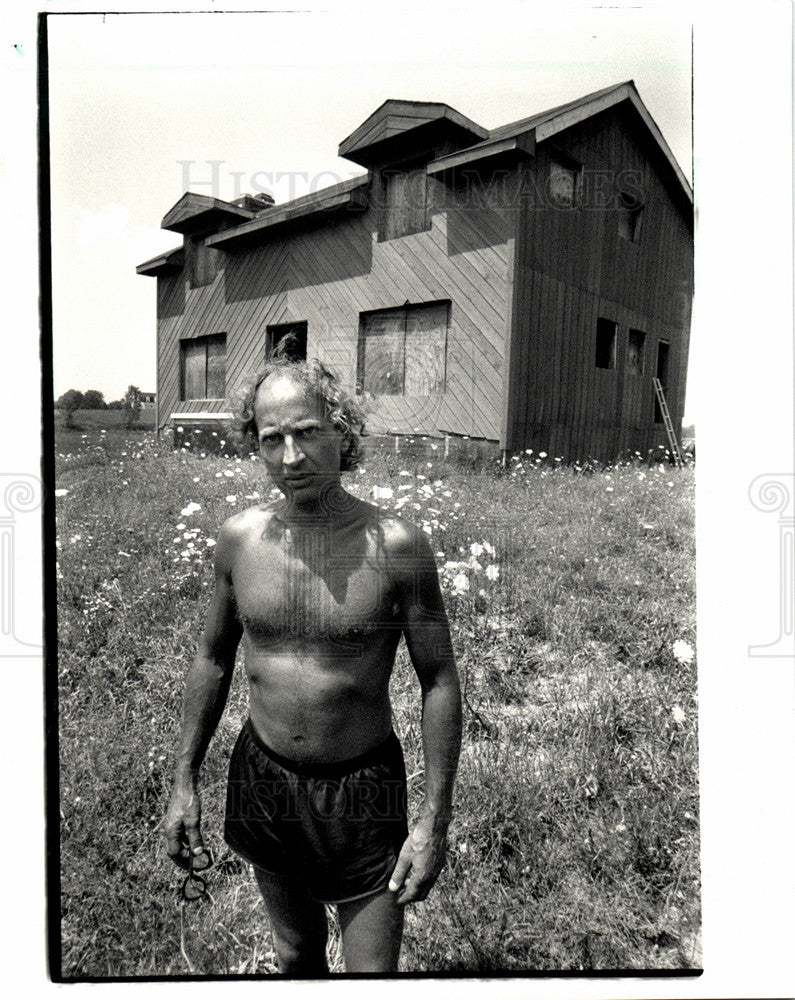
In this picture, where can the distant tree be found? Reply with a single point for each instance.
(93, 399)
(116, 404)
(71, 401)
(132, 405)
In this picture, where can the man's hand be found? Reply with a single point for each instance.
(182, 824)
(420, 861)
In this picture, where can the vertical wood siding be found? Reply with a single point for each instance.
(574, 268)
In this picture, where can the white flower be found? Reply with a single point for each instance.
(476, 549)
(542, 454)
(488, 547)
(678, 714)
(209, 542)
(460, 583)
(383, 493)
(683, 651)
(190, 509)
(61, 493)
(228, 472)
(179, 430)
(231, 498)
(404, 472)
(492, 572)
(181, 526)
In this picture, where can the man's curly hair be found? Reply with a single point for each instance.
(342, 409)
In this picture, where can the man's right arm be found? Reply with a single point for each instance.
(206, 691)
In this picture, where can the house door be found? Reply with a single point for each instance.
(295, 335)
(663, 351)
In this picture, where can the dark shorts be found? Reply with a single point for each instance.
(337, 828)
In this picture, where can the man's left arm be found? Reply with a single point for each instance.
(427, 633)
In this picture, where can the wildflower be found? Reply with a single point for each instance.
(191, 508)
(683, 651)
(209, 542)
(542, 454)
(228, 472)
(383, 493)
(231, 498)
(61, 492)
(677, 714)
(181, 526)
(179, 430)
(492, 572)
(488, 547)
(404, 472)
(460, 583)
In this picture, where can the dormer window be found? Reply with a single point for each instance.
(404, 202)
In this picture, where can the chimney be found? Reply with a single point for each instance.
(255, 202)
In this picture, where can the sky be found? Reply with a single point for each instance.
(140, 104)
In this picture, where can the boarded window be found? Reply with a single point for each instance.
(635, 345)
(606, 331)
(202, 261)
(405, 208)
(402, 352)
(203, 367)
(563, 183)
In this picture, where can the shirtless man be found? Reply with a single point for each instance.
(320, 586)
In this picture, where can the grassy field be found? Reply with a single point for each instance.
(571, 595)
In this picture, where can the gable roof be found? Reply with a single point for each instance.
(399, 123)
(199, 211)
(549, 123)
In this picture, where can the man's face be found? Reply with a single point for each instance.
(298, 443)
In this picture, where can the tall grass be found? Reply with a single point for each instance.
(575, 838)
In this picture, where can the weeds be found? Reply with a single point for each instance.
(570, 591)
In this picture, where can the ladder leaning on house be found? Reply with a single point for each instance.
(676, 451)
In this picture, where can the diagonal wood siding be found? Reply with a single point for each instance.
(329, 274)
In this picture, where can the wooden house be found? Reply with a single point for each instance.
(522, 285)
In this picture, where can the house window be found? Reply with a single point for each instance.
(405, 203)
(203, 262)
(294, 336)
(606, 343)
(630, 216)
(563, 183)
(203, 367)
(403, 352)
(635, 343)
(663, 356)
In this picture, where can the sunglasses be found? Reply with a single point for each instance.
(194, 886)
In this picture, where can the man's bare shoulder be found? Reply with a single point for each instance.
(402, 539)
(241, 526)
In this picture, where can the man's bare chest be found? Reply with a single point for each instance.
(312, 590)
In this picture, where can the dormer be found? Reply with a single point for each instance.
(396, 143)
(401, 130)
